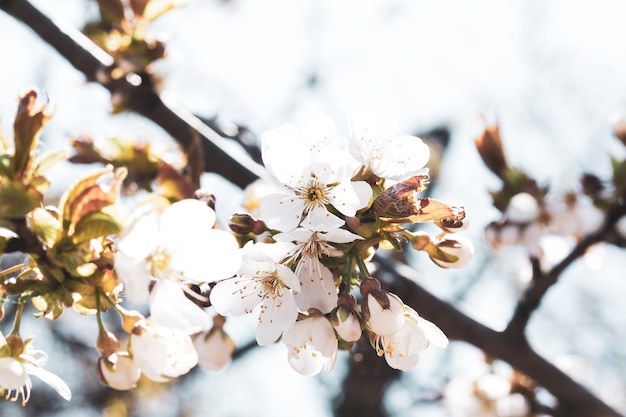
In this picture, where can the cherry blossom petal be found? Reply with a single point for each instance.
(318, 286)
(135, 276)
(386, 321)
(433, 333)
(13, 375)
(348, 197)
(51, 379)
(320, 219)
(141, 236)
(170, 307)
(207, 257)
(282, 212)
(276, 316)
(184, 219)
(236, 296)
(402, 348)
(215, 349)
(123, 376)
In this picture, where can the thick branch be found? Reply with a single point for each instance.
(220, 155)
(575, 400)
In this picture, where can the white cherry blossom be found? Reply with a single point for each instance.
(385, 154)
(319, 290)
(16, 368)
(162, 353)
(172, 248)
(402, 348)
(312, 345)
(384, 320)
(262, 281)
(315, 174)
(215, 348)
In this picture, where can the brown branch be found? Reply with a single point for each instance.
(543, 281)
(574, 399)
(220, 155)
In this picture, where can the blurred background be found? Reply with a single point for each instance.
(550, 72)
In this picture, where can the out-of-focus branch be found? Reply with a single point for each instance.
(543, 281)
(574, 399)
(138, 93)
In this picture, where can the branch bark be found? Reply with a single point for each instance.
(220, 155)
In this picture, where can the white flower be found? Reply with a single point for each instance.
(261, 281)
(387, 156)
(522, 208)
(318, 286)
(17, 367)
(176, 247)
(346, 320)
(162, 353)
(312, 345)
(215, 349)
(383, 320)
(316, 175)
(121, 375)
(402, 348)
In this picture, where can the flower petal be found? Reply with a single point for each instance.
(170, 307)
(282, 212)
(276, 316)
(236, 296)
(51, 379)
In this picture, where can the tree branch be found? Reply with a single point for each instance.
(220, 155)
(543, 281)
(574, 399)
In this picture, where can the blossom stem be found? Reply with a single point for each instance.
(101, 328)
(362, 267)
(10, 270)
(118, 309)
(18, 316)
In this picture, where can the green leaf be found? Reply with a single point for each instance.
(48, 160)
(90, 194)
(46, 226)
(96, 224)
(16, 199)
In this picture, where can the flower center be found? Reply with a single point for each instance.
(315, 194)
(160, 261)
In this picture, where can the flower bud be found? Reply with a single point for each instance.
(382, 311)
(346, 319)
(215, 349)
(130, 319)
(121, 375)
(451, 251)
(489, 146)
(107, 346)
(243, 223)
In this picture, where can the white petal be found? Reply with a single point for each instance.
(12, 374)
(209, 257)
(285, 153)
(404, 156)
(51, 379)
(433, 333)
(306, 360)
(184, 219)
(403, 347)
(278, 315)
(339, 236)
(135, 276)
(214, 348)
(318, 286)
(141, 237)
(387, 321)
(170, 307)
(320, 219)
(288, 277)
(124, 376)
(236, 296)
(282, 212)
(348, 197)
(323, 336)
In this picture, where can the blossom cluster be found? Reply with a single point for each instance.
(299, 259)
